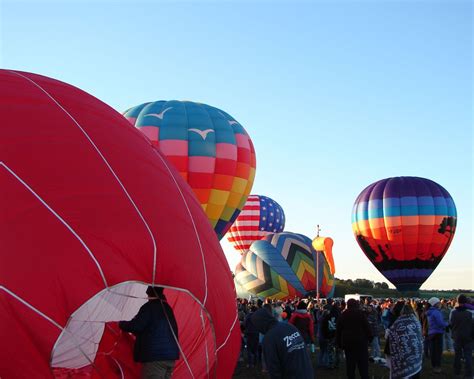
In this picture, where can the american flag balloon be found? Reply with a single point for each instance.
(260, 216)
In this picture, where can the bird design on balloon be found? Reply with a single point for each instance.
(202, 133)
(219, 166)
(159, 115)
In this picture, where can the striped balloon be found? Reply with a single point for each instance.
(404, 225)
(283, 265)
(210, 149)
(260, 216)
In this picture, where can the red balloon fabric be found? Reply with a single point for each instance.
(90, 216)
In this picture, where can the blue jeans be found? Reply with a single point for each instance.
(447, 341)
(375, 347)
(463, 349)
(323, 353)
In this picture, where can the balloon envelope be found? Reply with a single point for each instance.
(404, 225)
(260, 216)
(283, 265)
(210, 149)
(90, 215)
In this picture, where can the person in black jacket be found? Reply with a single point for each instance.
(461, 321)
(156, 332)
(328, 330)
(284, 349)
(353, 335)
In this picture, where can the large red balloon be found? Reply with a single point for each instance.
(90, 215)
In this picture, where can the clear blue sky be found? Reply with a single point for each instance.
(335, 95)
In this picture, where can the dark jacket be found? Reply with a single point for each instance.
(154, 337)
(373, 320)
(249, 326)
(304, 323)
(329, 322)
(461, 325)
(284, 349)
(353, 331)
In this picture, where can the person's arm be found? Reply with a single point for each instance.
(138, 323)
(440, 320)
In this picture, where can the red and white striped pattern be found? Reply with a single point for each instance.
(246, 228)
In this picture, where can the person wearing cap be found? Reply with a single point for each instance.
(284, 350)
(156, 332)
(436, 328)
(461, 321)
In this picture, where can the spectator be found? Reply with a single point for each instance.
(328, 331)
(374, 323)
(424, 329)
(353, 335)
(461, 321)
(436, 328)
(406, 345)
(304, 323)
(323, 347)
(251, 337)
(156, 331)
(283, 347)
(447, 340)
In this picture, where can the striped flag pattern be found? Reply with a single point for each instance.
(260, 216)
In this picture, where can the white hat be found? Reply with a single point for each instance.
(433, 301)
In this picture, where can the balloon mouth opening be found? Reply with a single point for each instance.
(92, 340)
(78, 344)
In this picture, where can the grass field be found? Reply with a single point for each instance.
(375, 371)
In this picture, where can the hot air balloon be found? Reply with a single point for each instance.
(210, 149)
(404, 225)
(260, 216)
(91, 214)
(283, 265)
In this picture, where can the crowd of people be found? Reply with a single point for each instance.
(284, 338)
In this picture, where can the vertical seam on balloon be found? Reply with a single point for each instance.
(205, 341)
(120, 367)
(415, 187)
(384, 228)
(228, 335)
(177, 341)
(105, 161)
(215, 161)
(402, 245)
(59, 218)
(188, 144)
(430, 251)
(192, 221)
(44, 316)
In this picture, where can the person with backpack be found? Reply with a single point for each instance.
(328, 329)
